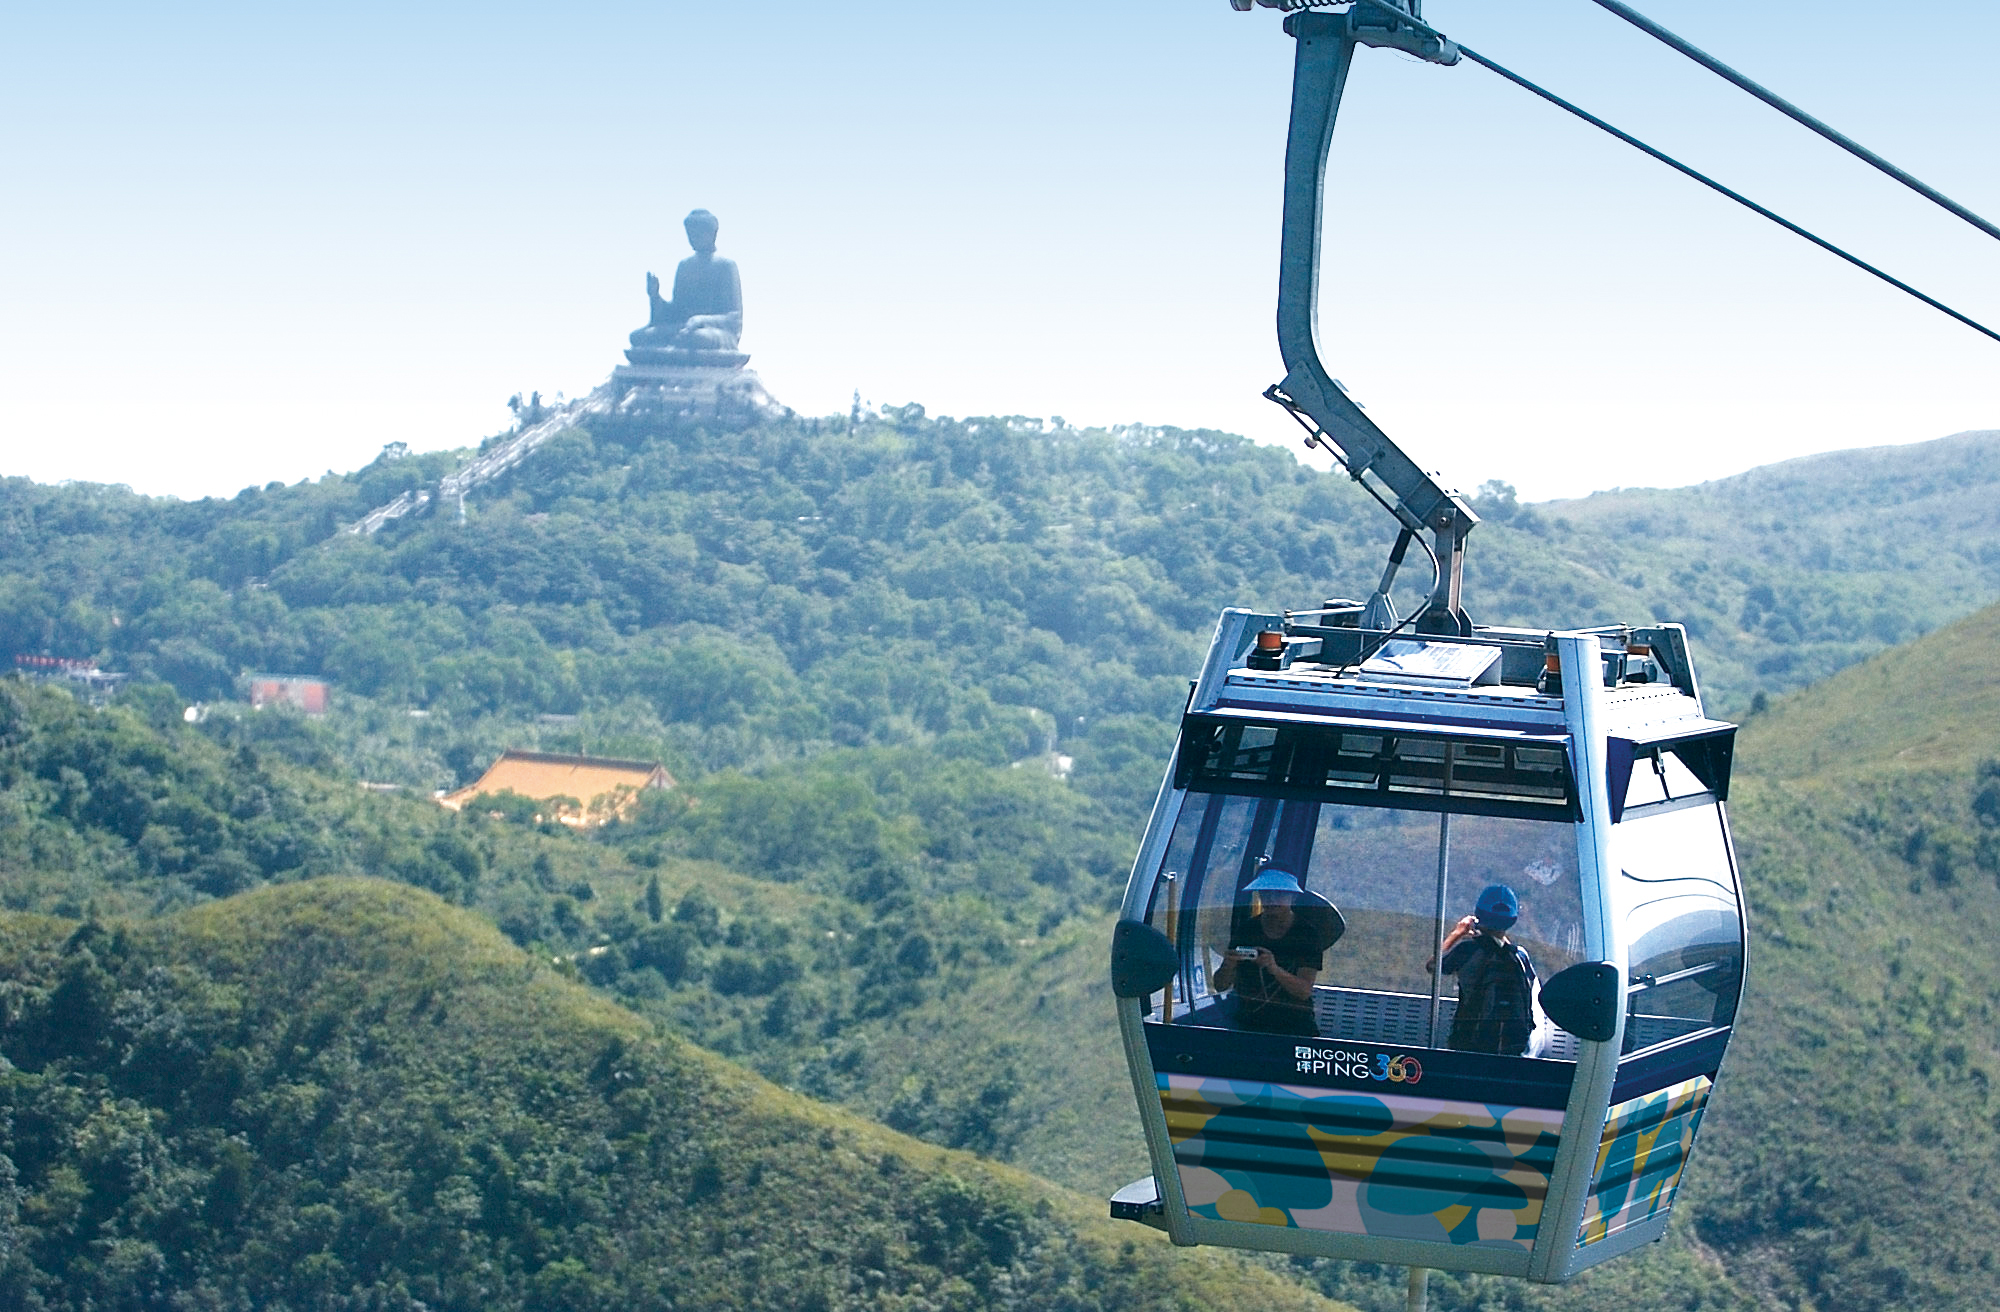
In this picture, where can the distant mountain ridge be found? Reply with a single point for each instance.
(811, 545)
(1791, 571)
(1967, 460)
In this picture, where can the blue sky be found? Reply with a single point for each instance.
(242, 243)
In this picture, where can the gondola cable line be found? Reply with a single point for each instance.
(1719, 187)
(1791, 111)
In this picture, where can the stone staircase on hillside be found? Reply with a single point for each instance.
(489, 465)
(661, 391)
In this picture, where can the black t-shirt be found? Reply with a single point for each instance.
(1261, 1001)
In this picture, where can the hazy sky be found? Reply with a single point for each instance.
(241, 243)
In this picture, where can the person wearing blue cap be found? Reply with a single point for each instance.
(1274, 956)
(1496, 980)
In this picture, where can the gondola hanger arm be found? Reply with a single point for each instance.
(1333, 422)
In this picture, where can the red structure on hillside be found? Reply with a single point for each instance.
(302, 692)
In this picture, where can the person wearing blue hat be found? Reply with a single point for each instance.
(1274, 956)
(1496, 980)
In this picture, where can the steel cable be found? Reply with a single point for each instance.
(1689, 171)
(1787, 108)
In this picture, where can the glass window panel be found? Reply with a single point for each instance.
(1677, 897)
(1537, 861)
(1380, 868)
(1216, 839)
(1334, 764)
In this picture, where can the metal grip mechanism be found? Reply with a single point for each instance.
(1332, 421)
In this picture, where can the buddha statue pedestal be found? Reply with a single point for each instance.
(641, 358)
(691, 382)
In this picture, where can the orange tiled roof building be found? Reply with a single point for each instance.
(603, 788)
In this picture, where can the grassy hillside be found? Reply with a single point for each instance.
(346, 1095)
(1860, 1117)
(887, 888)
(1930, 706)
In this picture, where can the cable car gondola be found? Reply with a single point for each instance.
(1359, 806)
(1362, 813)
(1576, 772)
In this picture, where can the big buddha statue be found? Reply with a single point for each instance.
(699, 326)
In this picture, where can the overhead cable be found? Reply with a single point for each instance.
(1787, 108)
(1736, 196)
(1696, 174)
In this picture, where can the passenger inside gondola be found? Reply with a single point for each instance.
(1277, 947)
(1496, 978)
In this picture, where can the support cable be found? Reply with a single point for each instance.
(1787, 108)
(1664, 158)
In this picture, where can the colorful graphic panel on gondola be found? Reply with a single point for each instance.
(1382, 1164)
(1640, 1158)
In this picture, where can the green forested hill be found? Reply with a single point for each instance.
(1853, 1156)
(1792, 571)
(879, 885)
(981, 588)
(344, 1095)
(843, 639)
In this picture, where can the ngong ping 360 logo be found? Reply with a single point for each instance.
(1353, 1064)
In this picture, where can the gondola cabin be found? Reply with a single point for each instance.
(1326, 1062)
